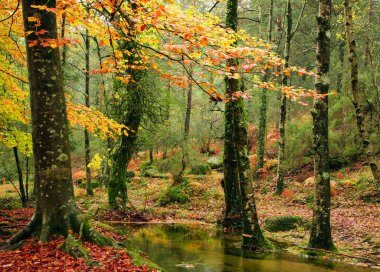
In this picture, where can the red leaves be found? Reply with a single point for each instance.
(34, 256)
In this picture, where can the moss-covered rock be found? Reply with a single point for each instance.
(285, 223)
(200, 169)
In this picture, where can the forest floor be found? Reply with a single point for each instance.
(355, 216)
(355, 213)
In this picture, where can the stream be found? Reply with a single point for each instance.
(197, 248)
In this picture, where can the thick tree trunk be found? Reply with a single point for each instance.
(90, 192)
(262, 135)
(55, 211)
(233, 211)
(24, 201)
(281, 143)
(320, 236)
(357, 99)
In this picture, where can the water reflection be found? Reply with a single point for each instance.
(186, 248)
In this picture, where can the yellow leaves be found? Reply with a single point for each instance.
(96, 162)
(32, 19)
(15, 138)
(94, 121)
(235, 76)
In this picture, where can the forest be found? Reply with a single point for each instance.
(190, 135)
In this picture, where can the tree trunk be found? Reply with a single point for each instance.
(237, 171)
(262, 134)
(320, 236)
(90, 192)
(188, 111)
(24, 201)
(233, 210)
(131, 117)
(55, 211)
(27, 178)
(281, 143)
(357, 99)
(151, 159)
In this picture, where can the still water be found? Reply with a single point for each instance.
(196, 248)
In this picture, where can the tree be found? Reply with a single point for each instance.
(90, 192)
(320, 236)
(281, 143)
(232, 193)
(237, 169)
(23, 196)
(55, 211)
(357, 96)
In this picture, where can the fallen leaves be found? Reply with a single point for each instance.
(34, 256)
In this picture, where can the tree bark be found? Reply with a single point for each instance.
(87, 149)
(281, 143)
(24, 201)
(357, 99)
(320, 236)
(55, 211)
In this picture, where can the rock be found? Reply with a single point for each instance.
(285, 223)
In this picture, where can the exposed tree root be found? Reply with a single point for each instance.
(72, 246)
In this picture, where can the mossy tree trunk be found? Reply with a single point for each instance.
(55, 211)
(281, 142)
(233, 210)
(237, 169)
(357, 96)
(90, 192)
(320, 236)
(262, 134)
(130, 114)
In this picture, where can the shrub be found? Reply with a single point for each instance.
(200, 169)
(176, 194)
(144, 165)
(285, 223)
(95, 184)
